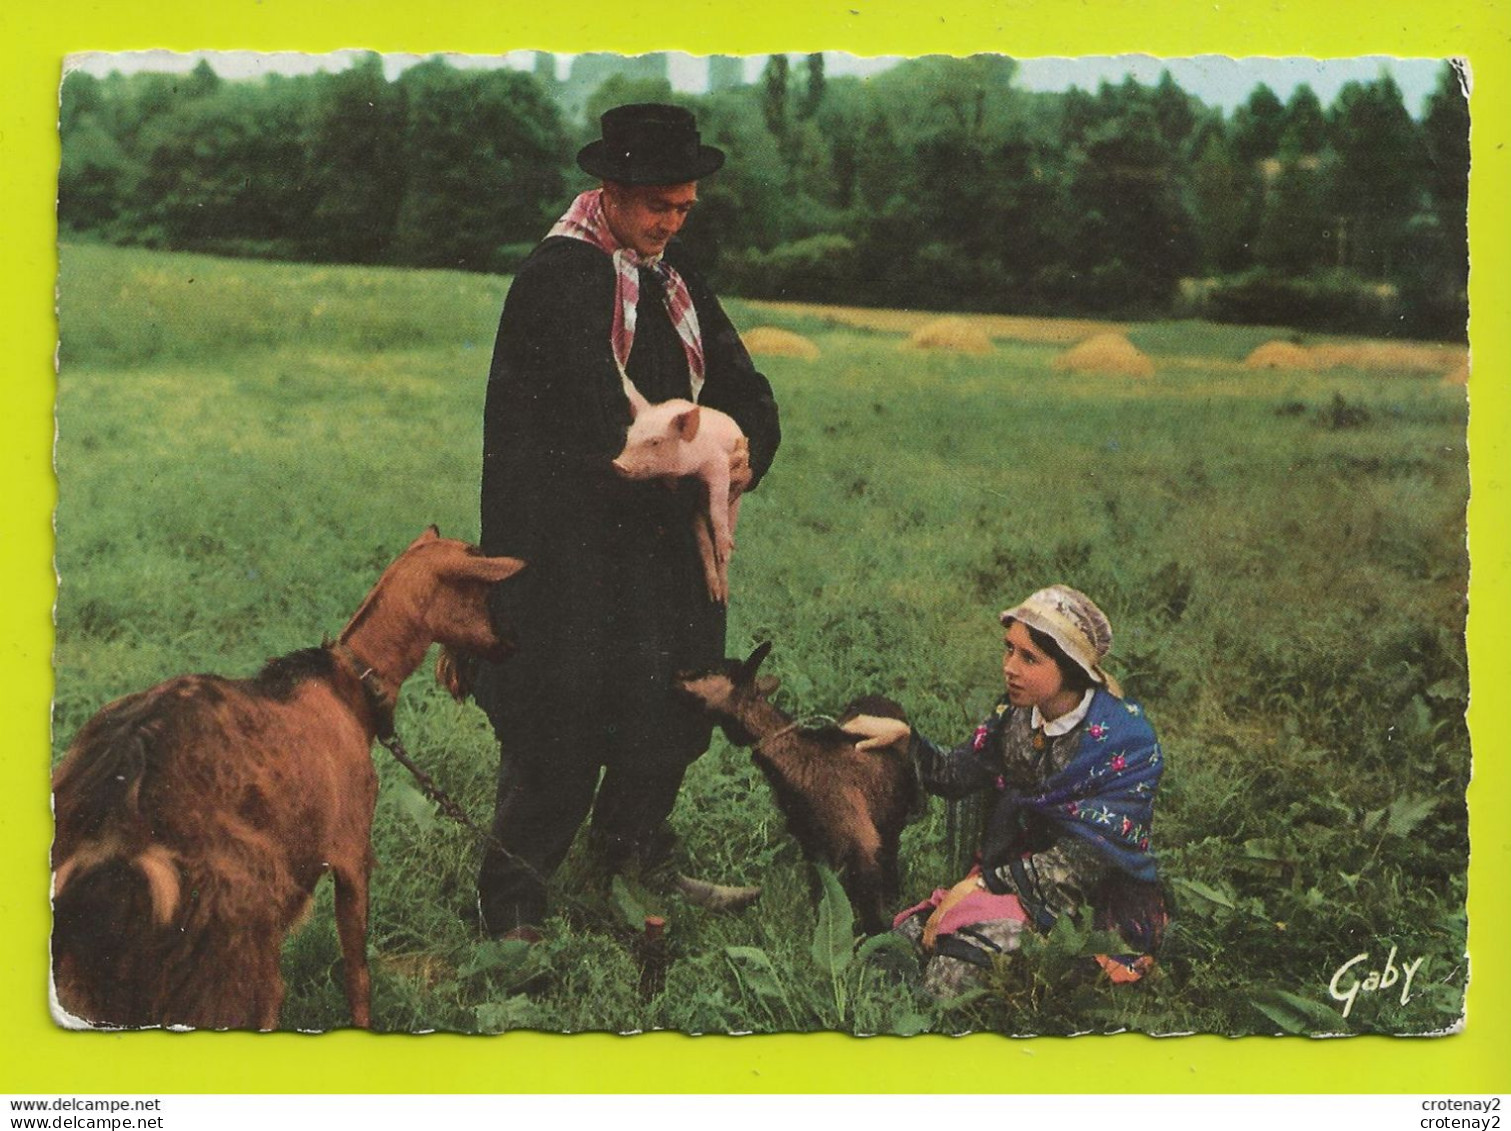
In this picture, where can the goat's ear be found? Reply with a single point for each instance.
(767, 685)
(685, 424)
(753, 661)
(493, 569)
(429, 534)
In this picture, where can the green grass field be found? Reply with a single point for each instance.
(243, 446)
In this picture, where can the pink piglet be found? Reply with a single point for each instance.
(678, 439)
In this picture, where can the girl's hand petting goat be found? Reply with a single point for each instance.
(876, 733)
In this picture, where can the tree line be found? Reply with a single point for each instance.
(937, 184)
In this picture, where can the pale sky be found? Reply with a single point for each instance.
(1216, 80)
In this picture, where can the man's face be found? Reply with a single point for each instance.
(646, 217)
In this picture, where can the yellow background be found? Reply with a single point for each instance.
(34, 37)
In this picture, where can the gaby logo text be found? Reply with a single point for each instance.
(1347, 983)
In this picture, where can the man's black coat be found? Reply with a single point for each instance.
(614, 601)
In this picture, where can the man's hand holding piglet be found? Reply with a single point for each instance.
(739, 466)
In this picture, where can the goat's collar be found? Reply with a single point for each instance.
(776, 734)
(380, 700)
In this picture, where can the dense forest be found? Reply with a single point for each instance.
(937, 184)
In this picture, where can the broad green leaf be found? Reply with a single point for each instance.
(1416, 719)
(494, 955)
(887, 940)
(1065, 939)
(834, 932)
(1222, 897)
(630, 909)
(909, 1023)
(1268, 850)
(516, 1012)
(1406, 813)
(753, 965)
(1104, 942)
(962, 1000)
(413, 804)
(1449, 688)
(1319, 1012)
(1288, 1021)
(1297, 1014)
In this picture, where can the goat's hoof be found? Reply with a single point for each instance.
(524, 934)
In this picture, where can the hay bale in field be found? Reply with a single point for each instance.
(1106, 353)
(768, 341)
(1401, 357)
(951, 334)
(1280, 355)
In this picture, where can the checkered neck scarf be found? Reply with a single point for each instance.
(585, 221)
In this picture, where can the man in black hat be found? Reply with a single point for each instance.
(614, 602)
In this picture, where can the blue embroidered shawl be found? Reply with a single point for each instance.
(1105, 793)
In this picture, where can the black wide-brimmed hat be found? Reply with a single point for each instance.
(648, 143)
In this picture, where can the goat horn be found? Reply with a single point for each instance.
(715, 897)
(753, 662)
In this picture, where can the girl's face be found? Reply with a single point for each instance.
(1033, 678)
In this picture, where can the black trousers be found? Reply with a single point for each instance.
(590, 691)
(541, 804)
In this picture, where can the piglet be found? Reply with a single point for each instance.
(678, 439)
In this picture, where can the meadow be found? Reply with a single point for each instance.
(243, 446)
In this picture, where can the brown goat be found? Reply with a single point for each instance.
(846, 808)
(194, 819)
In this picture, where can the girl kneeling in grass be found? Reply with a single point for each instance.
(1073, 768)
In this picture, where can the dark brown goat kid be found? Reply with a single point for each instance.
(194, 819)
(847, 809)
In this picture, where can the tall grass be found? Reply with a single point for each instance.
(243, 446)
